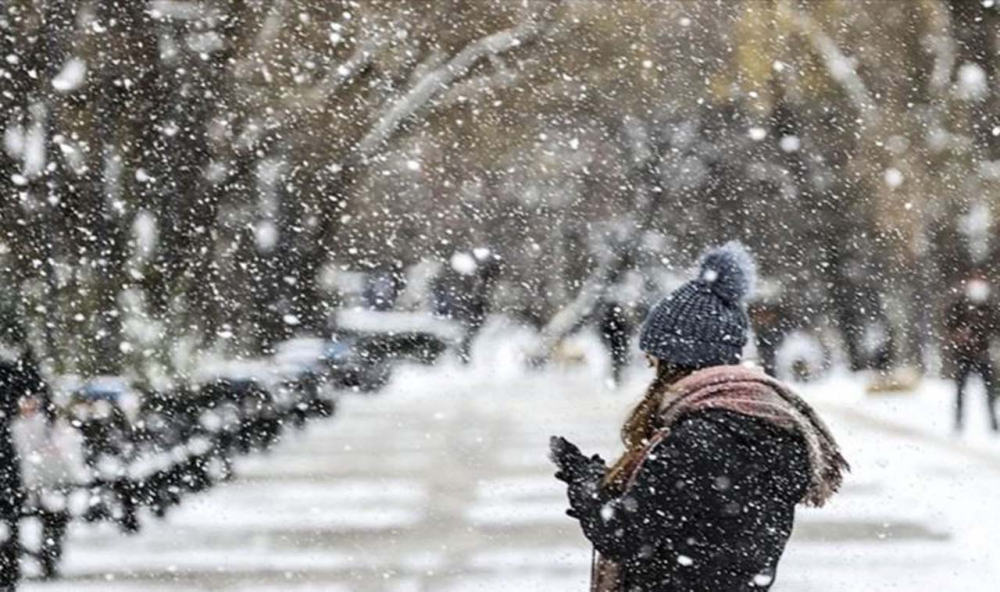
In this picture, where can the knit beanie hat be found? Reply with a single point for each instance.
(704, 323)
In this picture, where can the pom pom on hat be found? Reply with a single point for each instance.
(729, 271)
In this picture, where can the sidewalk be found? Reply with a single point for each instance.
(441, 483)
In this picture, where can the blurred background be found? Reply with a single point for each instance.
(207, 172)
(222, 219)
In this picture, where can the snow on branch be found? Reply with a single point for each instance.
(343, 73)
(941, 42)
(840, 67)
(281, 120)
(468, 90)
(442, 77)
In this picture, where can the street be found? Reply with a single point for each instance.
(441, 483)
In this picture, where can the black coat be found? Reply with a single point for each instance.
(11, 487)
(10, 466)
(970, 326)
(710, 510)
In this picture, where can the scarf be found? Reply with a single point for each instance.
(747, 391)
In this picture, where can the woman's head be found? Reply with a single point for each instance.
(704, 323)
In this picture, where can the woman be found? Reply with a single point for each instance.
(716, 455)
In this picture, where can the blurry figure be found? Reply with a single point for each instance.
(624, 301)
(871, 335)
(382, 289)
(98, 413)
(464, 291)
(446, 294)
(861, 318)
(971, 322)
(879, 342)
(486, 275)
(33, 384)
(18, 378)
(615, 330)
(769, 319)
(52, 465)
(11, 484)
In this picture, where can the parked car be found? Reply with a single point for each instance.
(343, 361)
(103, 410)
(368, 343)
(301, 376)
(357, 362)
(401, 335)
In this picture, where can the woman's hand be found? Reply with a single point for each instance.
(573, 465)
(582, 474)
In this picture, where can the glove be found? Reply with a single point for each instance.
(583, 475)
(572, 464)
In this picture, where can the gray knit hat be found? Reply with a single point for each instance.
(703, 323)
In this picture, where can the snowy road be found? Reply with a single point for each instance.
(441, 484)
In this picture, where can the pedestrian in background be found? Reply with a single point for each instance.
(11, 483)
(971, 323)
(464, 292)
(770, 322)
(716, 458)
(615, 331)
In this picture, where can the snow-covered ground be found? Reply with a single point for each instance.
(441, 483)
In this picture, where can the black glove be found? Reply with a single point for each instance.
(572, 464)
(583, 475)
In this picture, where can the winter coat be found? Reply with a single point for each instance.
(711, 509)
(710, 505)
(970, 326)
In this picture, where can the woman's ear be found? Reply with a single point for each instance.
(653, 362)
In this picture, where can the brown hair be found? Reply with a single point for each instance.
(642, 423)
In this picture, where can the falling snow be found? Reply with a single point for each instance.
(294, 293)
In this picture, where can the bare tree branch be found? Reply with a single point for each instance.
(340, 75)
(263, 133)
(840, 67)
(469, 89)
(425, 89)
(942, 44)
